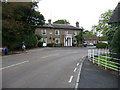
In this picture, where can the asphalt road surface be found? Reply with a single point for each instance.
(42, 68)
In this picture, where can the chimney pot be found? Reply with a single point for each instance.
(77, 24)
(49, 21)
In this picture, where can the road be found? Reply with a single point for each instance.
(42, 68)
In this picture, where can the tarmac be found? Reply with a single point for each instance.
(93, 76)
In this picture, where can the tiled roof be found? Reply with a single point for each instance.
(116, 15)
(60, 26)
(89, 37)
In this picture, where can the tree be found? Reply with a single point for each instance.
(80, 38)
(62, 21)
(102, 27)
(18, 21)
(115, 43)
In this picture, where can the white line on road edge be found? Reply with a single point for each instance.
(75, 69)
(78, 77)
(77, 64)
(13, 65)
(70, 80)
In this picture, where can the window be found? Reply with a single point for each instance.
(66, 32)
(75, 33)
(56, 32)
(43, 32)
(57, 40)
(50, 33)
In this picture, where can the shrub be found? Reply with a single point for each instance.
(115, 44)
(101, 45)
(30, 40)
(51, 44)
(55, 44)
(40, 44)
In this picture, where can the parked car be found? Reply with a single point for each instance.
(90, 45)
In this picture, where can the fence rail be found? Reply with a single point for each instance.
(102, 57)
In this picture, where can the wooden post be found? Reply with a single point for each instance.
(106, 59)
(93, 55)
(98, 56)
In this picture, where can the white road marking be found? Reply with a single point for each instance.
(75, 69)
(76, 86)
(77, 64)
(13, 65)
(78, 77)
(70, 80)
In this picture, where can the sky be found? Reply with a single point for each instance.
(86, 12)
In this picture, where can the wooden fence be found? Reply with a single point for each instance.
(102, 58)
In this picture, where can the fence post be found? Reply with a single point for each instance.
(88, 54)
(105, 59)
(98, 56)
(93, 55)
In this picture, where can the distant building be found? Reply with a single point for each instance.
(90, 39)
(58, 33)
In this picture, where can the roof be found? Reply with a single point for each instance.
(89, 37)
(59, 26)
(115, 18)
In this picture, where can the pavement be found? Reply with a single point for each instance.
(95, 77)
(54, 68)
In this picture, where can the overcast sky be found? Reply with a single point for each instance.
(86, 12)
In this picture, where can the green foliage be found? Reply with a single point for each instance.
(51, 44)
(30, 40)
(54, 44)
(102, 38)
(62, 21)
(40, 44)
(101, 45)
(80, 38)
(110, 35)
(115, 43)
(102, 27)
(18, 20)
(38, 37)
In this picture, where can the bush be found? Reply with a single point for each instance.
(101, 45)
(40, 44)
(54, 45)
(115, 44)
(30, 40)
(51, 44)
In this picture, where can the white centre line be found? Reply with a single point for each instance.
(13, 65)
(77, 64)
(70, 80)
(75, 69)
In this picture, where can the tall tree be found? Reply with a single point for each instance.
(62, 21)
(18, 21)
(80, 38)
(102, 27)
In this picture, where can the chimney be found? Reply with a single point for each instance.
(49, 21)
(77, 24)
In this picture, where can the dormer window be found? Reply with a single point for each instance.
(50, 33)
(56, 32)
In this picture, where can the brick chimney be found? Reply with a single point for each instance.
(77, 24)
(49, 21)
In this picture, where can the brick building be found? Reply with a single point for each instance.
(58, 33)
